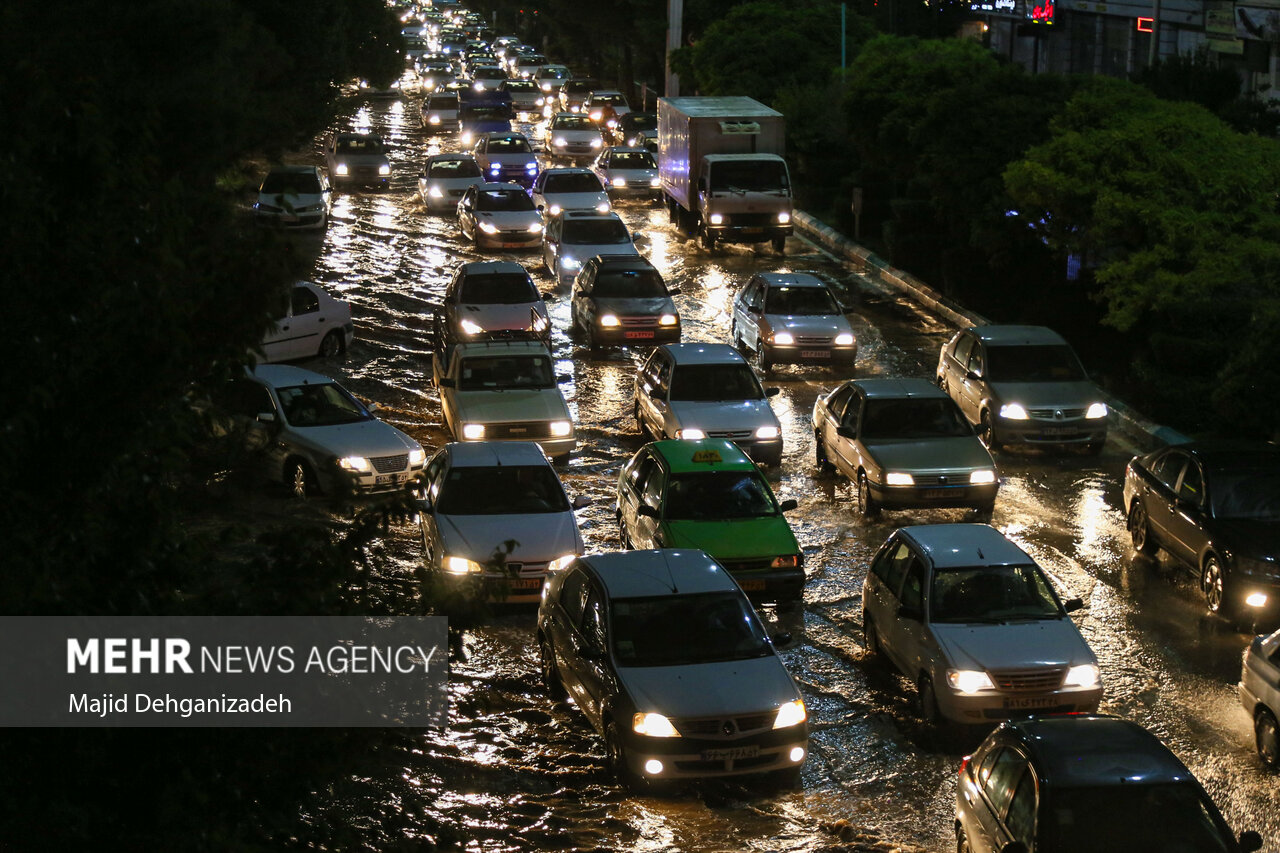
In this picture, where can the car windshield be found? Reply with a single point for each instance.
(706, 382)
(574, 182)
(498, 288)
(642, 121)
(595, 231)
(489, 373)
(1133, 818)
(1252, 493)
(749, 176)
(509, 145)
(291, 183)
(359, 145)
(574, 122)
(717, 496)
(612, 100)
(447, 169)
(628, 284)
(907, 419)
(991, 594)
(1033, 363)
(501, 490)
(799, 300)
(520, 86)
(674, 630)
(322, 404)
(442, 103)
(632, 160)
(493, 200)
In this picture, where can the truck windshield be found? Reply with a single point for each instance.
(753, 176)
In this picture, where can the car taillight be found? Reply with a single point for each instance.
(964, 764)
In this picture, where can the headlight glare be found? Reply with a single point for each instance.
(969, 680)
(899, 478)
(560, 562)
(844, 339)
(340, 169)
(980, 478)
(355, 463)
(488, 227)
(690, 433)
(535, 228)
(417, 457)
(1014, 412)
(470, 327)
(784, 218)
(717, 219)
(783, 338)
(462, 566)
(1096, 410)
(653, 725)
(384, 169)
(608, 320)
(560, 429)
(768, 433)
(619, 182)
(473, 432)
(1085, 675)
(668, 320)
(791, 714)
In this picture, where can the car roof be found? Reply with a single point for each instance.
(280, 375)
(1096, 749)
(499, 347)
(668, 571)
(1026, 335)
(462, 155)
(624, 261)
(960, 544)
(567, 170)
(704, 353)
(493, 268)
(629, 149)
(587, 214)
(1231, 453)
(896, 388)
(791, 279)
(499, 186)
(491, 454)
(706, 454)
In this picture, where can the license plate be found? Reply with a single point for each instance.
(937, 493)
(1022, 704)
(815, 353)
(752, 230)
(734, 752)
(386, 478)
(637, 334)
(1059, 430)
(752, 585)
(288, 218)
(526, 583)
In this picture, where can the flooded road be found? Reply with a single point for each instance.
(514, 772)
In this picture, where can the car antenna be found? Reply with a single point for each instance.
(670, 576)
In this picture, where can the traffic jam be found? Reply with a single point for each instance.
(755, 552)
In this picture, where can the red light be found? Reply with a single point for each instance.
(1146, 25)
(964, 763)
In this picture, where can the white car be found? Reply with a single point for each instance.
(444, 179)
(1260, 694)
(487, 78)
(294, 197)
(506, 156)
(702, 390)
(499, 216)
(313, 324)
(791, 318)
(560, 189)
(503, 390)
(491, 299)
(550, 78)
(976, 625)
(571, 136)
(310, 433)
(496, 520)
(358, 159)
(525, 95)
(576, 236)
(440, 113)
(600, 101)
(628, 172)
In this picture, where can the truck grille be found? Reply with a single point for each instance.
(1042, 680)
(390, 464)
(751, 220)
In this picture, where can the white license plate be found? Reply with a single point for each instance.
(815, 353)
(1059, 430)
(935, 493)
(734, 753)
(382, 479)
(637, 334)
(1022, 704)
(752, 230)
(751, 585)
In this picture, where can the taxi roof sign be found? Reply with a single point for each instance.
(709, 456)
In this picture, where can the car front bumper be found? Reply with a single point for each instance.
(704, 757)
(636, 335)
(767, 585)
(924, 496)
(1049, 431)
(987, 706)
(843, 356)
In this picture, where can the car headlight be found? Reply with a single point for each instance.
(495, 168)
(768, 433)
(784, 218)
(535, 228)
(597, 142)
(433, 119)
(653, 725)
(488, 227)
(1085, 675)
(790, 561)
(384, 169)
(355, 463)
(690, 433)
(969, 680)
(560, 429)
(608, 320)
(668, 320)
(899, 478)
(844, 339)
(466, 137)
(462, 566)
(784, 338)
(1256, 599)
(470, 327)
(603, 207)
(531, 167)
(619, 182)
(340, 169)
(417, 457)
(790, 714)
(554, 209)
(717, 219)
(1096, 410)
(655, 182)
(569, 264)
(1014, 412)
(560, 562)
(546, 87)
(559, 142)
(435, 192)
(473, 432)
(983, 477)
(479, 87)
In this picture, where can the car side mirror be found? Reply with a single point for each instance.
(772, 392)
(788, 505)
(1071, 605)
(846, 432)
(781, 638)
(906, 611)
(545, 296)
(266, 417)
(582, 291)
(754, 309)
(672, 291)
(1250, 841)
(972, 374)
(581, 501)
(646, 511)
(446, 382)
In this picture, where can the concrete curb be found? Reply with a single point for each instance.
(1144, 430)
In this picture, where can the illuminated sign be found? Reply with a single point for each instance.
(1146, 25)
(995, 7)
(1041, 12)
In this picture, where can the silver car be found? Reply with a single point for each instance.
(791, 318)
(358, 159)
(1260, 694)
(566, 188)
(576, 236)
(444, 179)
(629, 172)
(572, 136)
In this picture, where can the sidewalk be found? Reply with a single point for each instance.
(1143, 430)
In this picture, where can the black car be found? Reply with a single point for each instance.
(622, 299)
(1062, 784)
(1216, 508)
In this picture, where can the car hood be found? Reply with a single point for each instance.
(362, 438)
(293, 199)
(512, 160)
(586, 251)
(809, 324)
(933, 454)
(499, 317)
(1067, 395)
(726, 688)
(574, 135)
(362, 159)
(1258, 539)
(538, 538)
(1014, 645)
(650, 306)
(632, 174)
(770, 536)
(576, 201)
(509, 220)
(721, 415)
(538, 404)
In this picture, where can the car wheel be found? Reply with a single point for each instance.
(1266, 736)
(623, 539)
(1215, 587)
(871, 650)
(1140, 532)
(762, 358)
(550, 675)
(820, 454)
(331, 345)
(866, 504)
(929, 711)
(644, 431)
(616, 753)
(962, 842)
(780, 244)
(987, 432)
(736, 337)
(300, 479)
(708, 240)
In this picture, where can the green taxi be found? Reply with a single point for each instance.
(708, 494)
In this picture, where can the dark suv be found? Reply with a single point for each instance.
(1092, 782)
